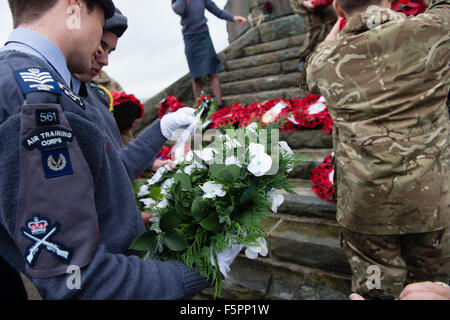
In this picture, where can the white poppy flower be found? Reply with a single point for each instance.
(285, 147)
(143, 191)
(189, 156)
(157, 176)
(256, 148)
(261, 249)
(207, 154)
(232, 144)
(148, 202)
(233, 160)
(212, 190)
(193, 167)
(163, 204)
(178, 154)
(165, 186)
(260, 164)
(276, 199)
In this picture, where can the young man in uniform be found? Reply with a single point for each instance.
(100, 98)
(66, 202)
(386, 78)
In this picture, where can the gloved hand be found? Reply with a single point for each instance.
(177, 120)
(226, 258)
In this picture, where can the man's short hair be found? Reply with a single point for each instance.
(350, 6)
(29, 11)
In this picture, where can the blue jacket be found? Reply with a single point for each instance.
(66, 196)
(193, 17)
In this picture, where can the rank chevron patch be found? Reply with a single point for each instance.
(35, 79)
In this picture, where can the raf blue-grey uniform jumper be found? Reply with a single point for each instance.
(65, 191)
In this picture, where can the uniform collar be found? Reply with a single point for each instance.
(373, 18)
(31, 42)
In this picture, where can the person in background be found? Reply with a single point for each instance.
(319, 17)
(385, 78)
(199, 49)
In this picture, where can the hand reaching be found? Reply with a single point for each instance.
(419, 291)
(240, 20)
(177, 120)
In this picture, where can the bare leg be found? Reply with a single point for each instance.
(215, 86)
(197, 86)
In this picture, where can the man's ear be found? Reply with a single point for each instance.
(339, 10)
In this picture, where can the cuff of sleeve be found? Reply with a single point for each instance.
(154, 136)
(193, 281)
(228, 16)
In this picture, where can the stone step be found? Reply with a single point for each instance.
(307, 138)
(249, 98)
(266, 278)
(262, 59)
(262, 84)
(268, 32)
(295, 41)
(303, 170)
(305, 203)
(310, 242)
(265, 70)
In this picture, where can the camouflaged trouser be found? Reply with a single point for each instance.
(384, 265)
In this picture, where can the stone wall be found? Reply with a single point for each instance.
(252, 9)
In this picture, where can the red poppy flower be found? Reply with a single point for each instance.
(323, 180)
(342, 23)
(169, 104)
(206, 98)
(164, 154)
(228, 116)
(127, 109)
(320, 3)
(409, 7)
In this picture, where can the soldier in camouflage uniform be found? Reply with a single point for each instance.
(106, 81)
(386, 79)
(319, 20)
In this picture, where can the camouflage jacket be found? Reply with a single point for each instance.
(106, 81)
(386, 80)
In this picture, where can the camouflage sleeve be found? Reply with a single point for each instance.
(431, 3)
(314, 63)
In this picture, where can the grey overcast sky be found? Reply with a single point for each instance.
(150, 55)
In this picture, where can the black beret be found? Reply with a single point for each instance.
(108, 7)
(117, 24)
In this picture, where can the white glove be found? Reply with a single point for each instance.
(177, 120)
(226, 258)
